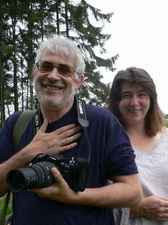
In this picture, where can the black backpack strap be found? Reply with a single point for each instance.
(21, 125)
(18, 130)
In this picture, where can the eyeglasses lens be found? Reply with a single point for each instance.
(63, 69)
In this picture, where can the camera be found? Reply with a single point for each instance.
(38, 173)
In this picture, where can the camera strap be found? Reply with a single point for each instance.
(82, 119)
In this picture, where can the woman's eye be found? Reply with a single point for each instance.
(125, 96)
(142, 95)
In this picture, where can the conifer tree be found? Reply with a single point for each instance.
(25, 23)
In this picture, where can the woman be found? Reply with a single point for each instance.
(133, 100)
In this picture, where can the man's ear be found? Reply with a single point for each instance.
(33, 72)
(80, 81)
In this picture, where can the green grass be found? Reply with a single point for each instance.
(166, 123)
(2, 200)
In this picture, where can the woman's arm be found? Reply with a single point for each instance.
(152, 207)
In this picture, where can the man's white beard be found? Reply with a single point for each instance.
(61, 103)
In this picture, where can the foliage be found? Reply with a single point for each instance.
(166, 123)
(24, 24)
(2, 201)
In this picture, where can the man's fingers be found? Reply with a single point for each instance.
(57, 176)
(44, 126)
(71, 131)
(70, 139)
(68, 147)
(65, 129)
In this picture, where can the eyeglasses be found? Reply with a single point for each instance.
(63, 69)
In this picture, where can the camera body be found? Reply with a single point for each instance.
(38, 173)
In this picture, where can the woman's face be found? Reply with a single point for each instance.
(134, 103)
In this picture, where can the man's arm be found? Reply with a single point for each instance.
(125, 192)
(55, 142)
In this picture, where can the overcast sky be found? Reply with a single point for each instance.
(139, 30)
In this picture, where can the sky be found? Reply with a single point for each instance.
(139, 34)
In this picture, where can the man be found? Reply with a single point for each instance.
(57, 74)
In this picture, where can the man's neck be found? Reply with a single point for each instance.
(52, 114)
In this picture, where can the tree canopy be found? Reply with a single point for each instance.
(24, 24)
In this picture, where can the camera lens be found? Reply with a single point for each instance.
(37, 175)
(15, 180)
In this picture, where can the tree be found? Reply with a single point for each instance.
(88, 37)
(26, 23)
